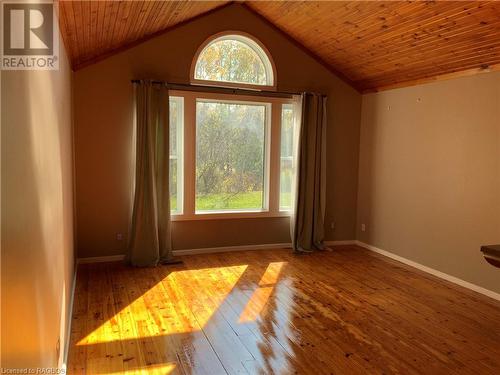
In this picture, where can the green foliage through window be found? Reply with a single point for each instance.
(230, 148)
(233, 60)
(286, 156)
(176, 109)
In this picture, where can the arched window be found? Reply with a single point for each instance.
(233, 60)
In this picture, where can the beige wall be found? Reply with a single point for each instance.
(37, 214)
(429, 175)
(103, 136)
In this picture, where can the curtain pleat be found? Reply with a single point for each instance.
(307, 222)
(150, 239)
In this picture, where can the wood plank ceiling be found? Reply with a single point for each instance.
(374, 44)
(93, 29)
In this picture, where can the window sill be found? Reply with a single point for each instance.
(218, 215)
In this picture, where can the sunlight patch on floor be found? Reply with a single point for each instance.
(175, 299)
(272, 273)
(156, 369)
(255, 305)
(261, 295)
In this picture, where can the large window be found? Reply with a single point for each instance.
(231, 155)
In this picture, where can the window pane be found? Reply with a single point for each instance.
(174, 118)
(286, 156)
(173, 185)
(176, 156)
(231, 60)
(229, 156)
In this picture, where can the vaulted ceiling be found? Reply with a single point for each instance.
(372, 44)
(93, 29)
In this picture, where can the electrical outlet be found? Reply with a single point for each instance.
(363, 227)
(119, 236)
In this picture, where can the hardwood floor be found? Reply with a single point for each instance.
(349, 311)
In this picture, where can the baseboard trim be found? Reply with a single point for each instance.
(107, 258)
(67, 339)
(432, 271)
(340, 243)
(203, 250)
(208, 250)
(223, 249)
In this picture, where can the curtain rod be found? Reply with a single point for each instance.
(224, 90)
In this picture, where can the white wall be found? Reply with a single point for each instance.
(429, 174)
(37, 214)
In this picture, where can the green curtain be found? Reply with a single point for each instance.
(150, 240)
(307, 222)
